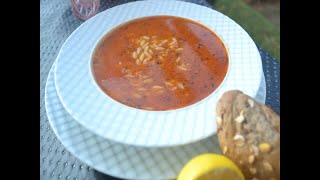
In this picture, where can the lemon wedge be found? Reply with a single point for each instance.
(210, 167)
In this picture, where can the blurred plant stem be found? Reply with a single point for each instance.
(261, 30)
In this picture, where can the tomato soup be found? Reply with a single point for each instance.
(159, 63)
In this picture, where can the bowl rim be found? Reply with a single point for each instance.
(251, 78)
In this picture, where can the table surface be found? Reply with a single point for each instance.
(57, 22)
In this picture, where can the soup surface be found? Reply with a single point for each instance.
(159, 63)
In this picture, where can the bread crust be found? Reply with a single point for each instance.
(249, 134)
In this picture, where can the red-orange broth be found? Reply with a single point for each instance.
(160, 63)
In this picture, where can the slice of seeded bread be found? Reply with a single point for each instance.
(249, 134)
